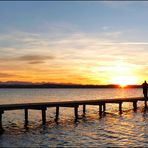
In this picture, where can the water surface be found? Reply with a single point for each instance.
(128, 129)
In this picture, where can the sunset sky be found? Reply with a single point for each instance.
(100, 42)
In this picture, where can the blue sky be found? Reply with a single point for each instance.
(81, 40)
(87, 16)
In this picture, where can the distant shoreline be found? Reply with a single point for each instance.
(63, 86)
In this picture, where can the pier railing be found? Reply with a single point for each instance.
(73, 104)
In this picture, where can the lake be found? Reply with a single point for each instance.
(113, 130)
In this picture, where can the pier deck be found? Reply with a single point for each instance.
(74, 104)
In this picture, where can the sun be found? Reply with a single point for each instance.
(124, 80)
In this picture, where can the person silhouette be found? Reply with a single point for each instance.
(145, 85)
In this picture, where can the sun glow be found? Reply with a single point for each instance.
(124, 80)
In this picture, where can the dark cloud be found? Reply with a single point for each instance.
(35, 59)
(36, 62)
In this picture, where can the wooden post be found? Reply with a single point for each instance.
(57, 114)
(120, 107)
(43, 116)
(26, 116)
(84, 109)
(104, 108)
(100, 109)
(76, 112)
(1, 126)
(135, 105)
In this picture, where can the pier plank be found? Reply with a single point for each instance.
(66, 103)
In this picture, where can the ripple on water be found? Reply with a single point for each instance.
(111, 130)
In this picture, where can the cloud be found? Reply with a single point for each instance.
(34, 59)
(92, 56)
(18, 39)
(5, 75)
(124, 43)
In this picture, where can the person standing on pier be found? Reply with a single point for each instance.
(145, 85)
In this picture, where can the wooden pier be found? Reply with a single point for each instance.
(73, 104)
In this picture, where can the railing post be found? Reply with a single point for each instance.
(1, 126)
(26, 116)
(44, 116)
(57, 113)
(120, 107)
